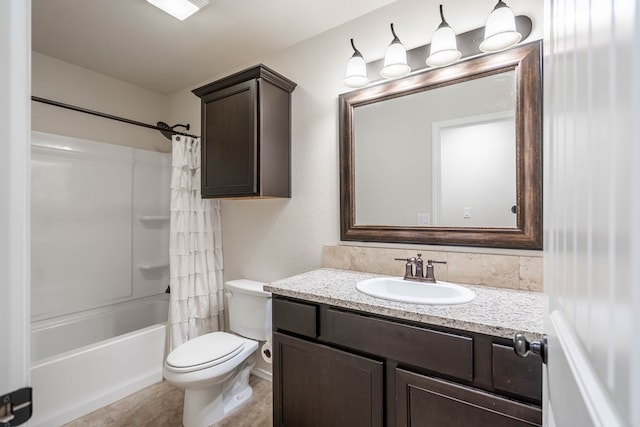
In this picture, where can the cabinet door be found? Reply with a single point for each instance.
(426, 401)
(318, 386)
(230, 142)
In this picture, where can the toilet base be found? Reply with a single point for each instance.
(205, 407)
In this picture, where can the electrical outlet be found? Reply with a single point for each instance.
(424, 219)
(467, 213)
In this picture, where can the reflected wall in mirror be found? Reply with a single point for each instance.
(448, 156)
(444, 163)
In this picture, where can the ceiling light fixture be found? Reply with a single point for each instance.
(500, 32)
(356, 75)
(444, 50)
(395, 59)
(179, 9)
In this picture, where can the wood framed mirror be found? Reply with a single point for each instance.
(447, 156)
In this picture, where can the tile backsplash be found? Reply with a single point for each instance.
(504, 271)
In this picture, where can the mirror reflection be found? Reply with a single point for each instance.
(441, 157)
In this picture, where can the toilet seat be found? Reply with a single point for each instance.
(204, 352)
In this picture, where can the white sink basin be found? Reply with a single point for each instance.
(397, 289)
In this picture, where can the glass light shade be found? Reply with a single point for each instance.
(500, 32)
(444, 49)
(395, 61)
(179, 9)
(356, 75)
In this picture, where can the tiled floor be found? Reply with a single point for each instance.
(160, 405)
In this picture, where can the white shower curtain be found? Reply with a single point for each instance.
(195, 249)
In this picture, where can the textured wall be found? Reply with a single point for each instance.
(70, 84)
(272, 239)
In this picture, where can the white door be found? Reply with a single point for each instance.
(15, 82)
(592, 212)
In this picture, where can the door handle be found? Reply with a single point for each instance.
(522, 347)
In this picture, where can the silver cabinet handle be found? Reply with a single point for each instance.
(523, 347)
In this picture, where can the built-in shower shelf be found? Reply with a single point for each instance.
(154, 218)
(153, 265)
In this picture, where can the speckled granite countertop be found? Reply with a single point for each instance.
(494, 311)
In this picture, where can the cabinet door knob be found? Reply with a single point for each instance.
(523, 347)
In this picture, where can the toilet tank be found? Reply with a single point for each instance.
(249, 308)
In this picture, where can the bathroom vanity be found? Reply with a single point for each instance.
(344, 358)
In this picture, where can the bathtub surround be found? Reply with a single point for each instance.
(99, 221)
(502, 271)
(195, 243)
(99, 258)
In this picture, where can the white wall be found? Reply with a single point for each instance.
(271, 239)
(63, 82)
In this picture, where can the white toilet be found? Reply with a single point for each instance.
(214, 368)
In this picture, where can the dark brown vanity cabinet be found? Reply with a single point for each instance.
(423, 400)
(337, 367)
(246, 135)
(322, 386)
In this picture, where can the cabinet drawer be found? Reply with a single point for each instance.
(295, 317)
(422, 401)
(516, 375)
(441, 352)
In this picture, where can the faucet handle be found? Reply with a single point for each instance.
(408, 267)
(429, 274)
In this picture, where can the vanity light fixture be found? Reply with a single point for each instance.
(179, 9)
(500, 32)
(356, 75)
(444, 49)
(395, 59)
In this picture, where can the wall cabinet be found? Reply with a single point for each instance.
(246, 135)
(334, 366)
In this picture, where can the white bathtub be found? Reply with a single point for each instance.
(84, 361)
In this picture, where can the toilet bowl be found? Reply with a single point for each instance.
(214, 368)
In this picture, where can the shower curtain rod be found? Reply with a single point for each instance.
(164, 128)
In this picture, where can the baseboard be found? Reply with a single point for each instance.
(262, 373)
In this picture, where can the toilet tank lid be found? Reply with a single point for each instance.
(250, 287)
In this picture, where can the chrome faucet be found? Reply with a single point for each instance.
(420, 275)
